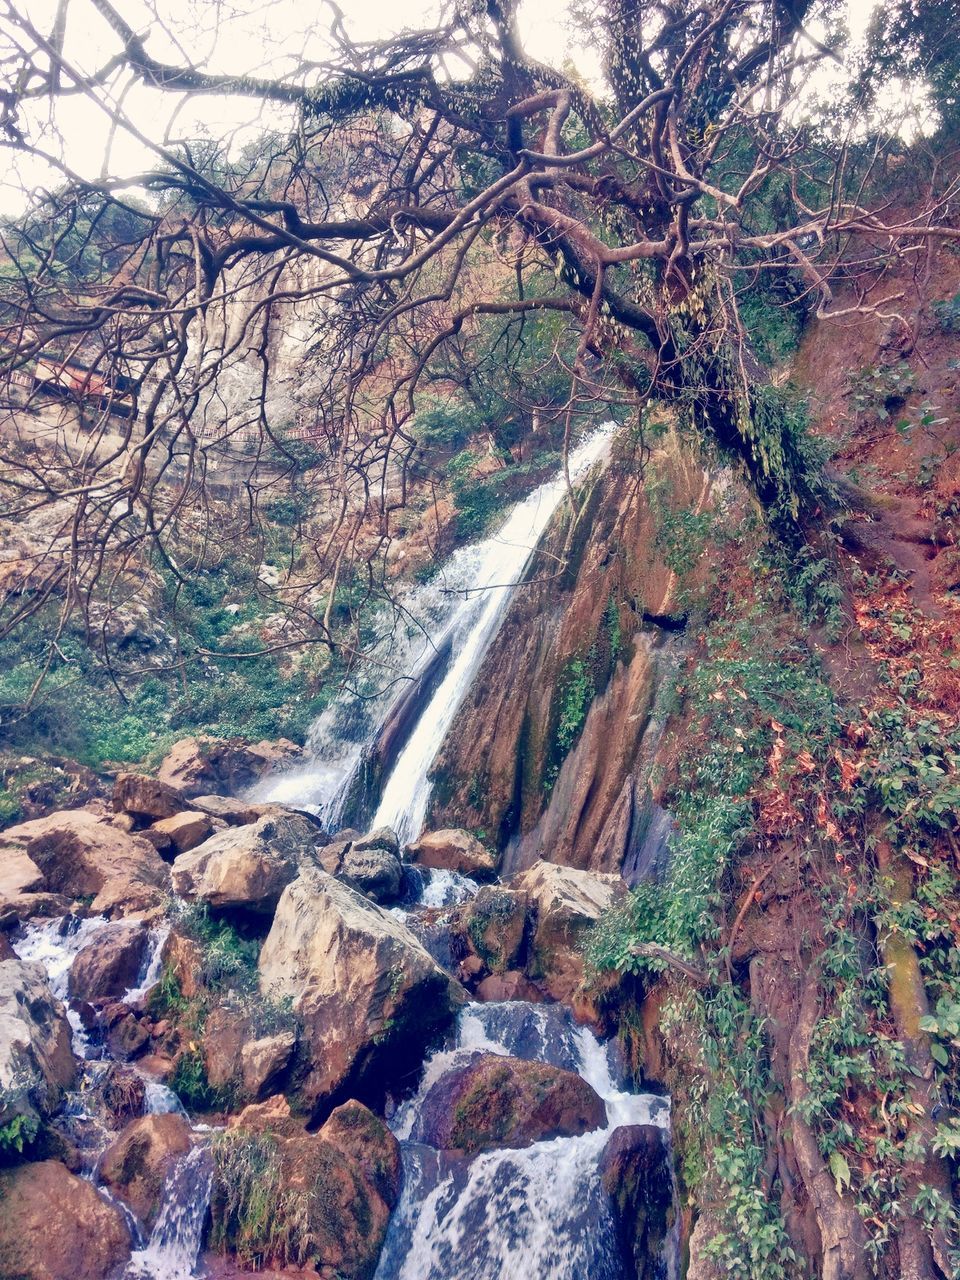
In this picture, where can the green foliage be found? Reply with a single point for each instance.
(20, 1129)
(229, 961)
(948, 314)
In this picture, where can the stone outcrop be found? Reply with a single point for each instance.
(218, 766)
(135, 1166)
(337, 1187)
(108, 964)
(36, 1060)
(55, 1226)
(247, 867)
(454, 850)
(636, 1173)
(81, 855)
(566, 904)
(369, 996)
(495, 1101)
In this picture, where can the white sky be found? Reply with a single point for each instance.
(255, 36)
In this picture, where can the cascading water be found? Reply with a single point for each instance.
(535, 1212)
(173, 1248)
(463, 610)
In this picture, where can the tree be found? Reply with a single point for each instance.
(430, 184)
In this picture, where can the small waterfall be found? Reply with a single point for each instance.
(151, 968)
(455, 617)
(54, 944)
(535, 1212)
(172, 1251)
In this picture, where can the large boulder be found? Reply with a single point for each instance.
(454, 850)
(247, 867)
(80, 854)
(370, 997)
(135, 1166)
(219, 766)
(636, 1173)
(36, 1060)
(55, 1226)
(145, 798)
(493, 1101)
(567, 903)
(327, 1203)
(108, 965)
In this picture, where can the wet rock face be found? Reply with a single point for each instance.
(337, 1187)
(369, 996)
(218, 766)
(36, 1060)
(246, 867)
(636, 1174)
(82, 855)
(54, 1226)
(109, 964)
(454, 850)
(135, 1166)
(496, 1102)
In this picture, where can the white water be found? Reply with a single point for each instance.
(538, 1213)
(172, 1251)
(464, 608)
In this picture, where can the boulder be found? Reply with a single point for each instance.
(384, 838)
(184, 830)
(36, 1060)
(82, 855)
(370, 997)
(108, 965)
(494, 1101)
(566, 903)
(228, 809)
(512, 985)
(205, 765)
(327, 1205)
(246, 867)
(135, 1166)
(454, 850)
(636, 1173)
(375, 872)
(493, 925)
(145, 799)
(183, 959)
(263, 1061)
(55, 1226)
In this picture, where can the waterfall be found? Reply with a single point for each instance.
(454, 618)
(172, 1251)
(539, 1211)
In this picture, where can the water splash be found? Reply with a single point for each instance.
(54, 944)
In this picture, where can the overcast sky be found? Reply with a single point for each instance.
(254, 36)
